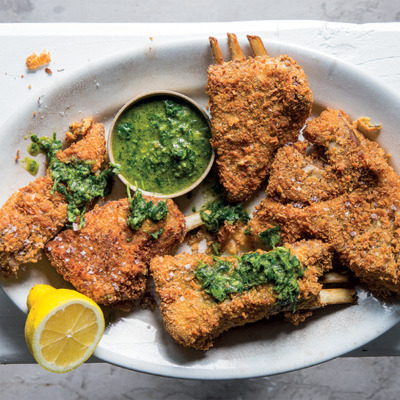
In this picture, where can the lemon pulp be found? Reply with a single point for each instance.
(63, 327)
(68, 334)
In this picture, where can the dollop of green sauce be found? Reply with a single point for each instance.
(33, 149)
(74, 178)
(140, 210)
(278, 267)
(31, 165)
(270, 237)
(215, 213)
(162, 145)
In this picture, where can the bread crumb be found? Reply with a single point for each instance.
(49, 71)
(34, 61)
(17, 157)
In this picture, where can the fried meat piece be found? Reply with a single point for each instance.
(194, 318)
(87, 143)
(108, 261)
(363, 222)
(340, 160)
(33, 215)
(256, 105)
(309, 181)
(363, 227)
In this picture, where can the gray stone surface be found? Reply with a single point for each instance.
(345, 378)
(342, 379)
(357, 11)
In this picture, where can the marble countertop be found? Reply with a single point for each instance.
(372, 47)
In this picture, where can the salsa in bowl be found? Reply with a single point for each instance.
(161, 140)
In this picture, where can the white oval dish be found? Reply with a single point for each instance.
(138, 340)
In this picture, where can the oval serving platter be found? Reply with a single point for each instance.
(137, 340)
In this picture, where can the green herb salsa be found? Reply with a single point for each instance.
(140, 210)
(162, 145)
(74, 178)
(277, 267)
(215, 213)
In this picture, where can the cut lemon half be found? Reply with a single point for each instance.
(63, 327)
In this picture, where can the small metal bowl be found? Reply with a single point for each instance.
(161, 93)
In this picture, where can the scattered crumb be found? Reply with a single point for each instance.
(22, 76)
(49, 71)
(29, 87)
(34, 61)
(60, 70)
(369, 130)
(34, 114)
(17, 157)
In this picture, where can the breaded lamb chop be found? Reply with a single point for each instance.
(194, 318)
(107, 260)
(256, 105)
(34, 214)
(360, 219)
(340, 160)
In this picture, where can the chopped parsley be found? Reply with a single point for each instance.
(125, 131)
(270, 237)
(278, 267)
(215, 248)
(74, 178)
(141, 210)
(215, 213)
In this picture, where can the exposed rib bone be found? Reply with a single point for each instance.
(257, 45)
(216, 51)
(237, 54)
(333, 277)
(193, 221)
(336, 296)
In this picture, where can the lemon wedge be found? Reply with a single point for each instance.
(63, 327)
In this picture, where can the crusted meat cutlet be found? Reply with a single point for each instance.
(194, 318)
(360, 219)
(256, 105)
(363, 229)
(33, 214)
(339, 161)
(107, 260)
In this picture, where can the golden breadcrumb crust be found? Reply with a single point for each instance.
(35, 61)
(256, 105)
(359, 216)
(33, 215)
(195, 319)
(108, 261)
